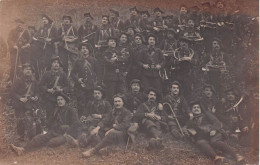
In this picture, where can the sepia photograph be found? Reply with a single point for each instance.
(129, 82)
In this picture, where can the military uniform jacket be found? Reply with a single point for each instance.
(133, 21)
(136, 49)
(178, 104)
(120, 117)
(209, 104)
(203, 124)
(87, 31)
(66, 30)
(18, 38)
(152, 57)
(48, 82)
(63, 116)
(101, 107)
(102, 34)
(134, 100)
(88, 69)
(46, 31)
(24, 88)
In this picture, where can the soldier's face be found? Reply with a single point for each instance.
(158, 14)
(118, 103)
(175, 89)
(215, 45)
(130, 31)
(196, 109)
(134, 13)
(191, 23)
(208, 92)
(112, 43)
(61, 101)
(27, 71)
(138, 40)
(123, 38)
(45, 20)
(231, 96)
(66, 21)
(112, 15)
(183, 10)
(84, 50)
(97, 95)
(135, 87)
(220, 5)
(184, 45)
(87, 19)
(144, 16)
(104, 20)
(55, 65)
(151, 41)
(151, 96)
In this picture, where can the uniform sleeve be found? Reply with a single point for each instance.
(125, 122)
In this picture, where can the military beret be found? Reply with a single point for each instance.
(115, 12)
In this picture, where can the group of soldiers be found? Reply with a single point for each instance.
(189, 74)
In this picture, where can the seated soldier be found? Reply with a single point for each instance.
(205, 130)
(24, 95)
(63, 120)
(177, 110)
(118, 120)
(150, 116)
(235, 116)
(96, 110)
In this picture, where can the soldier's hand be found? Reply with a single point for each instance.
(145, 66)
(125, 74)
(47, 39)
(35, 98)
(26, 46)
(191, 116)
(160, 106)
(80, 80)
(95, 131)
(96, 116)
(59, 89)
(245, 129)
(109, 131)
(23, 99)
(15, 47)
(158, 67)
(156, 29)
(212, 133)
(51, 90)
(170, 117)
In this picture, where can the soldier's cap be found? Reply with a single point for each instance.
(135, 81)
(157, 10)
(19, 21)
(67, 17)
(145, 12)
(196, 101)
(47, 17)
(88, 15)
(122, 96)
(141, 36)
(115, 12)
(134, 9)
(32, 27)
(209, 86)
(54, 58)
(105, 15)
(89, 47)
(63, 95)
(112, 38)
(158, 94)
(231, 89)
(176, 83)
(151, 35)
(101, 89)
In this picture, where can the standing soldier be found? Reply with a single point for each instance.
(116, 23)
(85, 73)
(53, 82)
(87, 31)
(44, 47)
(67, 38)
(134, 20)
(18, 44)
(118, 121)
(25, 97)
(152, 61)
(150, 116)
(177, 110)
(145, 24)
(158, 24)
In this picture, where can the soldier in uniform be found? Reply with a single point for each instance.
(135, 97)
(205, 130)
(209, 99)
(177, 110)
(182, 18)
(115, 70)
(145, 24)
(134, 20)
(44, 48)
(25, 96)
(158, 24)
(116, 23)
(67, 38)
(18, 44)
(52, 82)
(85, 73)
(61, 123)
(151, 60)
(118, 122)
(150, 116)
(87, 31)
